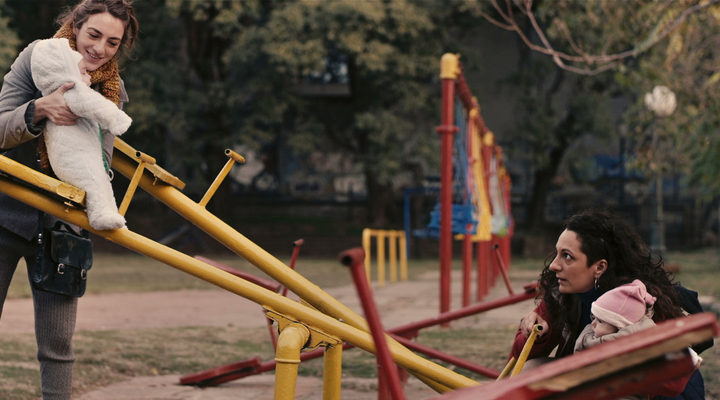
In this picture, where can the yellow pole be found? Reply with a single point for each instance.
(287, 358)
(438, 387)
(403, 257)
(367, 243)
(130, 192)
(508, 367)
(526, 350)
(332, 372)
(381, 257)
(392, 254)
(131, 240)
(233, 157)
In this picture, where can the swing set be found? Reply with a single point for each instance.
(474, 199)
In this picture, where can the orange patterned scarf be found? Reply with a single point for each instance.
(107, 76)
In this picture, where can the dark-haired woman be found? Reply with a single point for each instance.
(597, 251)
(101, 31)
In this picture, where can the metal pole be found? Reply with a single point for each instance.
(450, 69)
(467, 268)
(332, 372)
(287, 356)
(525, 352)
(387, 369)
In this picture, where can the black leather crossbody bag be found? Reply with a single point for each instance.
(62, 261)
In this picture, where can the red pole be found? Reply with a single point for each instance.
(467, 239)
(449, 72)
(502, 269)
(459, 362)
(506, 185)
(483, 256)
(466, 269)
(388, 375)
(494, 264)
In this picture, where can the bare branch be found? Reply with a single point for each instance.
(602, 62)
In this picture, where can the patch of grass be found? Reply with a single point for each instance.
(109, 356)
(355, 362)
(105, 357)
(698, 270)
(488, 347)
(19, 370)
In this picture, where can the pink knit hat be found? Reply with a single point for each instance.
(623, 305)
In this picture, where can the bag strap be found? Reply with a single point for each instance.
(102, 151)
(60, 224)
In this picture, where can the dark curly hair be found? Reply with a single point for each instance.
(603, 235)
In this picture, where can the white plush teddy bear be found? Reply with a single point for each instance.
(75, 151)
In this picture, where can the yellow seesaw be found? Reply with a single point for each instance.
(324, 315)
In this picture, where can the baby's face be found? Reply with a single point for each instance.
(601, 328)
(83, 72)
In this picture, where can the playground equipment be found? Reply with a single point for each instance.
(474, 200)
(387, 371)
(631, 365)
(324, 313)
(324, 323)
(395, 241)
(228, 372)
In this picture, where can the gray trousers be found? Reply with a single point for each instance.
(54, 319)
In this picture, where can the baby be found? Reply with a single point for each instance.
(619, 312)
(75, 151)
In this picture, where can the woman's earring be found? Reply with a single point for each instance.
(596, 284)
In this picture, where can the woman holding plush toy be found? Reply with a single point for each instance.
(101, 31)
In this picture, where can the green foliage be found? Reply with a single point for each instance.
(378, 123)
(212, 74)
(687, 62)
(651, 43)
(9, 42)
(675, 45)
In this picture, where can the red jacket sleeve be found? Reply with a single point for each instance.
(543, 345)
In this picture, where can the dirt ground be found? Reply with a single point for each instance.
(399, 303)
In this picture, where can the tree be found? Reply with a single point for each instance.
(647, 22)
(689, 64)
(233, 72)
(10, 42)
(190, 96)
(650, 43)
(385, 122)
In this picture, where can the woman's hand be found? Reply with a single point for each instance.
(54, 107)
(530, 320)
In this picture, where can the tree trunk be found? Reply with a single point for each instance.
(544, 176)
(380, 202)
(543, 179)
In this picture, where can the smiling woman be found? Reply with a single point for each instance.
(596, 252)
(100, 30)
(98, 39)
